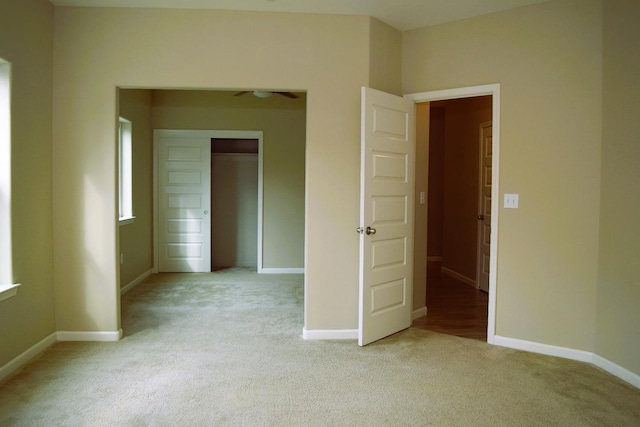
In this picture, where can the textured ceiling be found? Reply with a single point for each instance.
(401, 14)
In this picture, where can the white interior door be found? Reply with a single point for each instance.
(484, 206)
(184, 202)
(386, 215)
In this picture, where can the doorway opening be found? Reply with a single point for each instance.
(461, 230)
(279, 244)
(236, 203)
(185, 206)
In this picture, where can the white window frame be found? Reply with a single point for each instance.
(7, 288)
(125, 172)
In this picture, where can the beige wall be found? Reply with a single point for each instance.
(136, 238)
(26, 42)
(618, 316)
(283, 122)
(547, 59)
(234, 211)
(461, 167)
(420, 216)
(385, 57)
(98, 50)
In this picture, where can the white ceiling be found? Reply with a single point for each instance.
(401, 14)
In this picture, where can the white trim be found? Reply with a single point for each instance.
(228, 134)
(329, 334)
(434, 259)
(421, 312)
(102, 336)
(549, 350)
(617, 370)
(569, 353)
(466, 92)
(281, 271)
(141, 278)
(461, 92)
(26, 356)
(126, 220)
(458, 276)
(8, 291)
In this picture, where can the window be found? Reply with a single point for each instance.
(7, 288)
(125, 167)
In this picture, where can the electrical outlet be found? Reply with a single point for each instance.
(422, 197)
(121, 258)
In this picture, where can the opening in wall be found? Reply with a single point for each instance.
(7, 288)
(125, 172)
(234, 207)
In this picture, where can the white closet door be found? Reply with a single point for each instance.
(184, 201)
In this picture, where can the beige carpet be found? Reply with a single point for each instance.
(225, 349)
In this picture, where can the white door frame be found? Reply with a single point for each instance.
(468, 92)
(224, 134)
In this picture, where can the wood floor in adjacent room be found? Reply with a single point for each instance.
(454, 307)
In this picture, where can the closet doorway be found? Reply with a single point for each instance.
(187, 188)
(234, 203)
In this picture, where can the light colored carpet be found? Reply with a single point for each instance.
(225, 349)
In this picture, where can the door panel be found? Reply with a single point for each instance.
(484, 197)
(386, 208)
(184, 203)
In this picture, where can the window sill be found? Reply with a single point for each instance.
(126, 220)
(8, 291)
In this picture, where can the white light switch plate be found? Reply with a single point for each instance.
(511, 201)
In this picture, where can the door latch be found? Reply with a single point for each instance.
(367, 230)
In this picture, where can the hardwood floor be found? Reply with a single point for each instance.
(453, 307)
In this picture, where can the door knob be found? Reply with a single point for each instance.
(360, 230)
(481, 217)
(370, 230)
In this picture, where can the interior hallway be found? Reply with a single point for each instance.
(454, 308)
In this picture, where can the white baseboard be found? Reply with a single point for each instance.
(458, 276)
(329, 334)
(89, 335)
(421, 312)
(281, 271)
(26, 356)
(434, 259)
(549, 350)
(141, 278)
(617, 370)
(569, 353)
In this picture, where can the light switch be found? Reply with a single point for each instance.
(511, 201)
